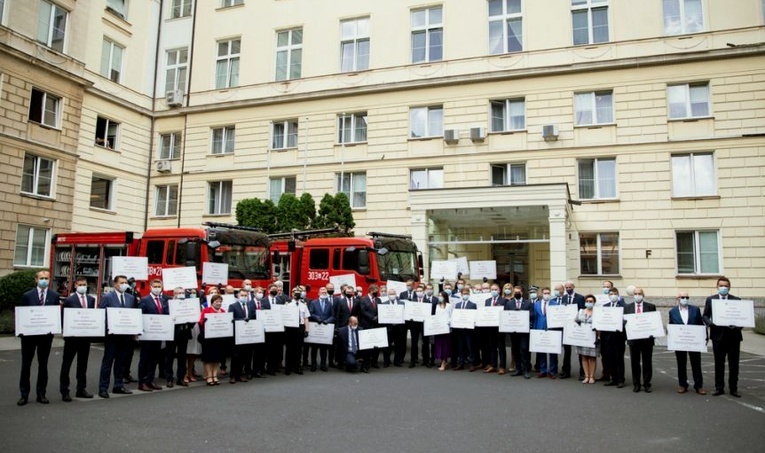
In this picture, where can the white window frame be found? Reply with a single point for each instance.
(687, 91)
(591, 98)
(507, 174)
(227, 143)
(599, 248)
(111, 195)
(597, 183)
(230, 3)
(218, 208)
(427, 28)
(697, 252)
(231, 62)
(31, 233)
(44, 110)
(354, 33)
(181, 8)
(588, 6)
(176, 74)
(291, 51)
(104, 140)
(684, 26)
(282, 182)
(696, 190)
(290, 131)
(352, 177)
(506, 18)
(164, 204)
(36, 165)
(174, 142)
(429, 110)
(2, 12)
(46, 31)
(353, 121)
(118, 8)
(426, 172)
(508, 121)
(110, 63)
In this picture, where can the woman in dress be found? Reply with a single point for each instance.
(589, 355)
(212, 348)
(443, 341)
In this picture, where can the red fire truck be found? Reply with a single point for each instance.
(245, 250)
(304, 258)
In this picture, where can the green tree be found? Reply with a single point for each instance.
(253, 212)
(288, 214)
(335, 212)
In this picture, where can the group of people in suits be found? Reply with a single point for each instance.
(350, 311)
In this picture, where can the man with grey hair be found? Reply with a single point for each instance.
(641, 351)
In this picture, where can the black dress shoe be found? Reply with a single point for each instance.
(526, 376)
(83, 394)
(620, 385)
(258, 375)
(299, 372)
(517, 373)
(154, 386)
(182, 383)
(427, 365)
(636, 388)
(287, 373)
(324, 368)
(313, 368)
(43, 400)
(609, 384)
(103, 394)
(128, 379)
(412, 365)
(122, 391)
(374, 365)
(386, 364)
(170, 384)
(735, 394)
(718, 393)
(564, 376)
(365, 370)
(271, 373)
(647, 388)
(67, 398)
(145, 388)
(22, 401)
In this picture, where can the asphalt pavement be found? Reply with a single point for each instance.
(389, 410)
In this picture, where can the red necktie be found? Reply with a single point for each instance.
(640, 308)
(350, 305)
(518, 305)
(159, 305)
(494, 302)
(83, 301)
(373, 303)
(258, 305)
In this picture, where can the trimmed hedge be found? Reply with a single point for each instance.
(759, 324)
(13, 286)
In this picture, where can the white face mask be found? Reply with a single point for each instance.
(258, 296)
(546, 297)
(156, 291)
(124, 287)
(248, 287)
(83, 289)
(638, 298)
(613, 298)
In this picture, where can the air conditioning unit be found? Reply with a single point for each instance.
(451, 136)
(550, 132)
(477, 134)
(163, 166)
(174, 98)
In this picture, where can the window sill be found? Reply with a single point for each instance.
(220, 154)
(698, 276)
(25, 267)
(350, 144)
(280, 150)
(359, 209)
(173, 19)
(163, 217)
(102, 210)
(356, 72)
(690, 119)
(594, 126)
(37, 197)
(169, 159)
(599, 200)
(511, 132)
(424, 139)
(46, 126)
(697, 197)
(226, 8)
(105, 147)
(225, 214)
(116, 15)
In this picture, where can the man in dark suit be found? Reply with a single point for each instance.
(368, 307)
(241, 359)
(176, 349)
(154, 303)
(38, 296)
(416, 329)
(726, 341)
(612, 345)
(396, 335)
(548, 363)
(464, 336)
(348, 336)
(321, 311)
(115, 346)
(259, 350)
(274, 340)
(689, 315)
(519, 341)
(488, 337)
(409, 293)
(641, 351)
(345, 306)
(76, 346)
(571, 297)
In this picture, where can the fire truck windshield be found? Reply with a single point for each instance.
(244, 262)
(397, 265)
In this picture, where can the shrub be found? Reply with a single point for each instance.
(759, 324)
(13, 286)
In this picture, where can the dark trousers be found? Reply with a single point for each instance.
(127, 363)
(485, 337)
(241, 360)
(415, 330)
(176, 350)
(455, 345)
(519, 344)
(151, 352)
(464, 339)
(321, 350)
(29, 344)
(682, 371)
(731, 349)
(79, 347)
(259, 352)
(499, 352)
(612, 349)
(294, 342)
(641, 353)
(396, 344)
(275, 349)
(565, 367)
(115, 351)
(548, 363)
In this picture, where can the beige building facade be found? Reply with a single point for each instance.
(586, 140)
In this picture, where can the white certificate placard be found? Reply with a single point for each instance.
(215, 273)
(228, 299)
(38, 320)
(739, 313)
(290, 315)
(488, 316)
(320, 333)
(435, 325)
(84, 322)
(479, 299)
(124, 321)
(373, 338)
(131, 266)
(579, 335)
(481, 269)
(157, 328)
(514, 321)
(249, 332)
(681, 337)
(179, 277)
(644, 325)
(272, 319)
(601, 299)
(463, 318)
(417, 311)
(390, 314)
(608, 319)
(400, 287)
(443, 269)
(462, 266)
(559, 316)
(219, 325)
(545, 341)
(339, 280)
(183, 311)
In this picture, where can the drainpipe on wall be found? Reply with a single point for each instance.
(185, 115)
(153, 120)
